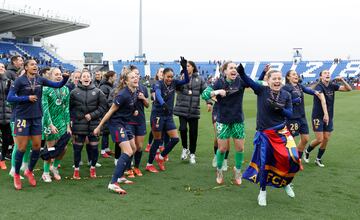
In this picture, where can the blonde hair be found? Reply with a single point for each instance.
(122, 79)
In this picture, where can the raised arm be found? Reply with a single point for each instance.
(53, 84)
(309, 90)
(183, 63)
(345, 87)
(263, 73)
(255, 86)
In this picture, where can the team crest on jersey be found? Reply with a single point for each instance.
(93, 93)
(19, 129)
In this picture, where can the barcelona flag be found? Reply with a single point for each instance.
(275, 160)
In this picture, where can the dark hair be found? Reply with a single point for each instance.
(322, 72)
(288, 74)
(225, 65)
(167, 69)
(14, 58)
(156, 76)
(132, 67)
(109, 74)
(44, 70)
(193, 65)
(27, 62)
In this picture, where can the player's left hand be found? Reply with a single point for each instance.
(209, 107)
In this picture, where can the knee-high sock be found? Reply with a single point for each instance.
(104, 141)
(320, 153)
(88, 151)
(219, 158)
(166, 139)
(128, 165)
(56, 163)
(151, 138)
(170, 146)
(18, 160)
(309, 148)
(94, 154)
(13, 156)
(155, 145)
(35, 154)
(46, 166)
(239, 158)
(27, 152)
(227, 154)
(77, 154)
(137, 157)
(120, 167)
(117, 151)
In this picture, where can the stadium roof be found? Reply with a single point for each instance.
(32, 25)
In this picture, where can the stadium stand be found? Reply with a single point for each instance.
(308, 70)
(21, 32)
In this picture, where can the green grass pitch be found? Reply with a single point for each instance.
(187, 191)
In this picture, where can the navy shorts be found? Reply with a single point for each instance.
(120, 133)
(162, 123)
(320, 126)
(137, 129)
(80, 138)
(28, 127)
(297, 126)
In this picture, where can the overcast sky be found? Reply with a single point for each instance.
(241, 30)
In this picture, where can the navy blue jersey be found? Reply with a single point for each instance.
(139, 118)
(22, 88)
(268, 117)
(215, 108)
(297, 97)
(329, 93)
(165, 94)
(230, 107)
(125, 100)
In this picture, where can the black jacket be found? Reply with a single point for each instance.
(106, 87)
(5, 109)
(11, 72)
(96, 83)
(86, 100)
(188, 97)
